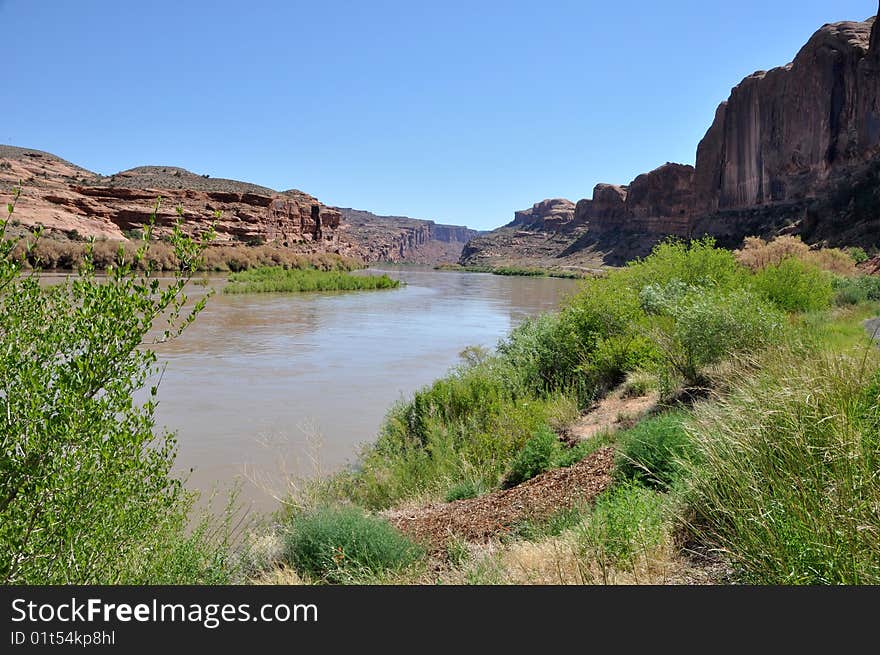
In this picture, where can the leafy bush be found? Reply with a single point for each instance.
(787, 483)
(858, 255)
(694, 263)
(651, 452)
(705, 326)
(345, 545)
(536, 456)
(87, 493)
(794, 286)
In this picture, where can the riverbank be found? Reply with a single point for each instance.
(724, 360)
(521, 271)
(66, 254)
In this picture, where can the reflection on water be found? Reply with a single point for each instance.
(260, 385)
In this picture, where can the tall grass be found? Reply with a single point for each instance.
(282, 280)
(787, 486)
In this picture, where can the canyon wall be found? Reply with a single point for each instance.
(402, 239)
(795, 149)
(75, 203)
(68, 200)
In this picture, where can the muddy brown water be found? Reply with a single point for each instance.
(264, 388)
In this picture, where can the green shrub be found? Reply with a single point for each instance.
(693, 263)
(705, 326)
(536, 456)
(651, 451)
(858, 254)
(344, 545)
(545, 352)
(87, 491)
(626, 524)
(794, 286)
(856, 290)
(787, 486)
(464, 490)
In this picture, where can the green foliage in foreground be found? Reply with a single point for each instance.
(345, 545)
(536, 456)
(276, 279)
(626, 524)
(651, 452)
(786, 481)
(86, 493)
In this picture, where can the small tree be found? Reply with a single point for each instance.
(86, 488)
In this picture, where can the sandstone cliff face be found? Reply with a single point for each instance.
(72, 201)
(552, 214)
(784, 132)
(404, 239)
(794, 149)
(68, 199)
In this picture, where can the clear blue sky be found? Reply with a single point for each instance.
(458, 111)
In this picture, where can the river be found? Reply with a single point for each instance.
(264, 388)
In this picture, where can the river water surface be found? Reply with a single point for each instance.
(265, 387)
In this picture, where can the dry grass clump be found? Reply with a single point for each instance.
(757, 254)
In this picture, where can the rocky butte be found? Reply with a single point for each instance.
(75, 203)
(795, 149)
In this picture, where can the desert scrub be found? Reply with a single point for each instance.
(652, 451)
(345, 545)
(794, 286)
(758, 254)
(279, 279)
(627, 523)
(856, 290)
(787, 486)
(696, 327)
(536, 456)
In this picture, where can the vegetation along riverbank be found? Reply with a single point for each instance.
(277, 279)
(699, 415)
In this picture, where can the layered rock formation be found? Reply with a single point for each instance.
(404, 239)
(793, 149)
(74, 202)
(68, 199)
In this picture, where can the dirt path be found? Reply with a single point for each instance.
(614, 412)
(479, 519)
